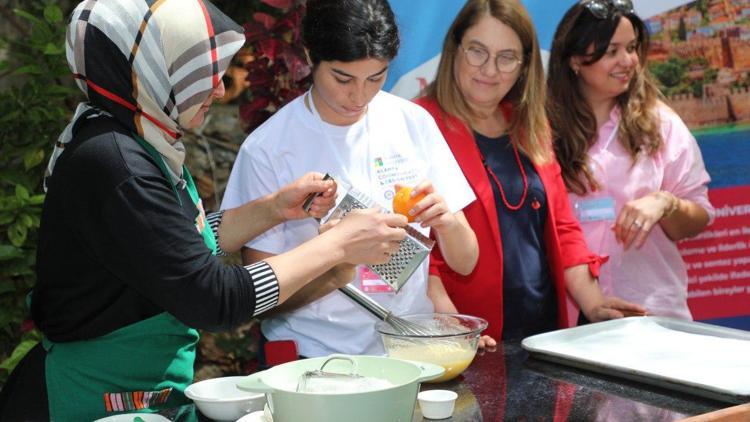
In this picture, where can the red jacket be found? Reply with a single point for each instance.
(481, 292)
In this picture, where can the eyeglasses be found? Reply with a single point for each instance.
(504, 62)
(602, 9)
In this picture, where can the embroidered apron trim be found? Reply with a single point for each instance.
(136, 400)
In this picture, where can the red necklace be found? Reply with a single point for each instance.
(500, 186)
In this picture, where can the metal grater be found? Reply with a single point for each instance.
(413, 250)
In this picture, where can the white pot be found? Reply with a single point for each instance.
(393, 404)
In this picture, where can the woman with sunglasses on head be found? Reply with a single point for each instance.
(345, 125)
(635, 174)
(488, 100)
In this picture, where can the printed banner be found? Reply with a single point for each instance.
(719, 258)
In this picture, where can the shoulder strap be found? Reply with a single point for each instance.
(159, 162)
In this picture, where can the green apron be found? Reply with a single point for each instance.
(143, 367)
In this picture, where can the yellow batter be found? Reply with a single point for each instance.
(451, 355)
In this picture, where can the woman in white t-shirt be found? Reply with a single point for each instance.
(346, 126)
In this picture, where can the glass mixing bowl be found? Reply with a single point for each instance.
(450, 341)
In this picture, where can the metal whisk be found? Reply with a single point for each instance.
(401, 325)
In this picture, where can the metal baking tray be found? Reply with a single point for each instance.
(701, 359)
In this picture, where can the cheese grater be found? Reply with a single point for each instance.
(412, 251)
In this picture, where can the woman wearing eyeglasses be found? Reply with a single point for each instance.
(635, 174)
(488, 101)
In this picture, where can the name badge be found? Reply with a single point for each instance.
(369, 282)
(596, 209)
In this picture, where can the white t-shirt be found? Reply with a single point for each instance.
(396, 142)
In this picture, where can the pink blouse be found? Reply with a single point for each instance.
(655, 275)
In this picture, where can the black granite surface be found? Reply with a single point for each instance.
(510, 385)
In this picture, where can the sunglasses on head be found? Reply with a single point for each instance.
(602, 9)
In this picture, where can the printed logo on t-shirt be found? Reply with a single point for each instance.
(393, 169)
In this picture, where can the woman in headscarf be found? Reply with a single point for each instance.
(126, 261)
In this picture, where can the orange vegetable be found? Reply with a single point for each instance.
(403, 202)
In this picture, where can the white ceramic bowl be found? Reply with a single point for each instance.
(130, 417)
(220, 399)
(437, 404)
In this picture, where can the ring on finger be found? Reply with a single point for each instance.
(637, 224)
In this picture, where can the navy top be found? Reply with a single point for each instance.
(529, 299)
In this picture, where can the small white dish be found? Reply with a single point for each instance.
(256, 416)
(437, 404)
(220, 399)
(130, 417)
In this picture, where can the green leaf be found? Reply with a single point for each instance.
(20, 351)
(10, 116)
(33, 158)
(22, 193)
(62, 90)
(9, 252)
(53, 14)
(36, 200)
(7, 287)
(6, 218)
(18, 268)
(17, 233)
(30, 69)
(26, 220)
(26, 15)
(52, 50)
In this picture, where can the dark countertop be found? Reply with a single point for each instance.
(508, 384)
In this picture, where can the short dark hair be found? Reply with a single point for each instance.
(349, 30)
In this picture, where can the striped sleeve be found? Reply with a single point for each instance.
(266, 286)
(214, 221)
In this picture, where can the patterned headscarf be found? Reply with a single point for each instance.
(150, 64)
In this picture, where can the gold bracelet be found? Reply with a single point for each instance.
(674, 203)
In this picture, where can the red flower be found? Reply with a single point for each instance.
(265, 19)
(270, 47)
(253, 119)
(258, 103)
(258, 73)
(297, 65)
(255, 31)
(279, 72)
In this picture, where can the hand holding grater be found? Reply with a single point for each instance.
(412, 251)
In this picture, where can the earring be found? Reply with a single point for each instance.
(576, 70)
